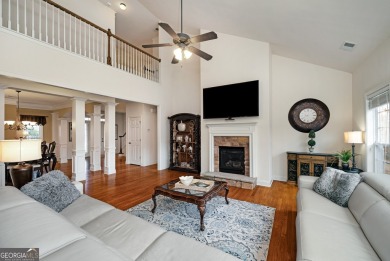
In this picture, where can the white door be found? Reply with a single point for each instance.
(134, 130)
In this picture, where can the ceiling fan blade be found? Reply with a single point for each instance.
(169, 30)
(204, 37)
(200, 53)
(174, 60)
(156, 45)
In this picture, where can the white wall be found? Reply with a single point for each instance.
(371, 75)
(237, 59)
(293, 80)
(100, 14)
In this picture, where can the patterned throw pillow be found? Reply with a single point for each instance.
(337, 185)
(53, 189)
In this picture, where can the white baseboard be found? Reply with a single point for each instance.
(264, 183)
(280, 178)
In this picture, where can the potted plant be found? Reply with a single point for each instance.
(311, 142)
(344, 156)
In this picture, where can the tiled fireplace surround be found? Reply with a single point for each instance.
(237, 135)
(231, 141)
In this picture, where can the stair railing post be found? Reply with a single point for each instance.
(109, 47)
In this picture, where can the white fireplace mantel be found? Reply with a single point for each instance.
(234, 129)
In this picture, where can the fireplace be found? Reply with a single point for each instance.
(232, 160)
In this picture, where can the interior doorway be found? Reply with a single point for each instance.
(134, 131)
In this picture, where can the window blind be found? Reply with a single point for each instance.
(379, 98)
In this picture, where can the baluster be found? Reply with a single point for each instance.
(75, 34)
(85, 39)
(33, 20)
(47, 38)
(102, 45)
(70, 33)
(25, 17)
(52, 24)
(17, 16)
(64, 30)
(127, 57)
(89, 41)
(40, 20)
(80, 37)
(58, 28)
(9, 14)
(93, 43)
(109, 47)
(1, 13)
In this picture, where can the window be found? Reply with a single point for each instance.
(378, 128)
(34, 131)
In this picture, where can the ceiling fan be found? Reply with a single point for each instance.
(183, 42)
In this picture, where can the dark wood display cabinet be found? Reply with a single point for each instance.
(185, 142)
(309, 164)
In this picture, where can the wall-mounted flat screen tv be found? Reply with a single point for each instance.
(231, 101)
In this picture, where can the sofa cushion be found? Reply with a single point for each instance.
(174, 247)
(336, 185)
(362, 198)
(11, 197)
(85, 209)
(308, 200)
(306, 181)
(129, 234)
(375, 224)
(88, 249)
(35, 225)
(53, 189)
(380, 182)
(321, 238)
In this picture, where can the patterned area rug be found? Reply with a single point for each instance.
(241, 229)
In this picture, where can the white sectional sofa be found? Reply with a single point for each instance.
(326, 231)
(89, 229)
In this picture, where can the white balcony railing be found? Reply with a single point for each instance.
(48, 22)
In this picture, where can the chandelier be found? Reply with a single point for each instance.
(18, 125)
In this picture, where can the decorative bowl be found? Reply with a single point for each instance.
(186, 180)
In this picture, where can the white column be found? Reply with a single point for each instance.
(96, 139)
(2, 115)
(55, 130)
(78, 139)
(109, 138)
(62, 144)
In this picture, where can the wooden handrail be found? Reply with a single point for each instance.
(108, 32)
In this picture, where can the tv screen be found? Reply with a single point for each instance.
(230, 101)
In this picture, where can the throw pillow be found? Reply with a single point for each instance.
(337, 185)
(53, 189)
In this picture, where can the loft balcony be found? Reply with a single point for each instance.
(54, 25)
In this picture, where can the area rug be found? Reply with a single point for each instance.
(239, 228)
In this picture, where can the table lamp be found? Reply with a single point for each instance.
(354, 137)
(20, 151)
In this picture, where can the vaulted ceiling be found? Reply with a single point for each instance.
(307, 30)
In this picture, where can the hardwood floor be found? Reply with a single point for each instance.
(132, 185)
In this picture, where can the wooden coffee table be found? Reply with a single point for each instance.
(198, 198)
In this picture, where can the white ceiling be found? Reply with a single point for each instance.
(307, 30)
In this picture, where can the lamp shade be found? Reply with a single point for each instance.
(20, 150)
(353, 137)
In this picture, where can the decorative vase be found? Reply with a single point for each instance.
(345, 165)
(311, 149)
(181, 126)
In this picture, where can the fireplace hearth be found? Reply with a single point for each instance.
(232, 160)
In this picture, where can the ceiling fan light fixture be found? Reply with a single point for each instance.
(122, 6)
(187, 54)
(178, 52)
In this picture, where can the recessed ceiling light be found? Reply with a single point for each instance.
(122, 6)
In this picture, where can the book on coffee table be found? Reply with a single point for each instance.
(197, 184)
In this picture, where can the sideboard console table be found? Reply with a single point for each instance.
(309, 164)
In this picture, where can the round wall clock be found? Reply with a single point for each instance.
(308, 114)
